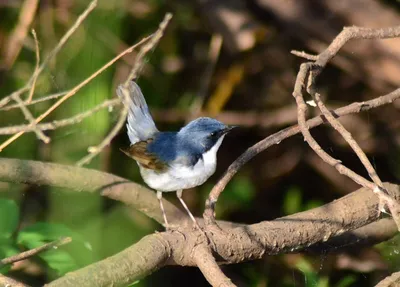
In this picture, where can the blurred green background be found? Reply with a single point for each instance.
(248, 84)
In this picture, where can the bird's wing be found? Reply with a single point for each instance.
(140, 123)
(138, 152)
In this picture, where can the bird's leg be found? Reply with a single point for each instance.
(179, 195)
(159, 196)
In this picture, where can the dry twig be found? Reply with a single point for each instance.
(32, 80)
(74, 90)
(60, 123)
(32, 252)
(306, 77)
(276, 138)
(28, 116)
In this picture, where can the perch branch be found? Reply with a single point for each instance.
(284, 235)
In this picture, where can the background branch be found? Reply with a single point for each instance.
(32, 252)
(280, 136)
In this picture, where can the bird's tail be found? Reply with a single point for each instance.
(140, 123)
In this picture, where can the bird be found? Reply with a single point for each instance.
(170, 161)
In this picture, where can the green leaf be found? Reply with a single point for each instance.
(9, 216)
(310, 276)
(347, 281)
(7, 249)
(292, 201)
(41, 233)
(241, 190)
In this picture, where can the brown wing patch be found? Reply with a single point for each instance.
(138, 152)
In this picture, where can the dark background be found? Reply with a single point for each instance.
(252, 79)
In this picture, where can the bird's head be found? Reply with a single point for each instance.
(204, 133)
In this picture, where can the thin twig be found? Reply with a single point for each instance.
(54, 52)
(75, 90)
(36, 72)
(276, 138)
(94, 151)
(60, 123)
(36, 101)
(32, 252)
(28, 116)
(304, 55)
(349, 139)
(308, 74)
(301, 115)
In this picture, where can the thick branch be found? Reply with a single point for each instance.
(391, 281)
(131, 264)
(82, 179)
(283, 235)
(210, 269)
(9, 282)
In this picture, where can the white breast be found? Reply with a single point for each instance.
(180, 176)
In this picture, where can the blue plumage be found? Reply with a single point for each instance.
(171, 161)
(196, 138)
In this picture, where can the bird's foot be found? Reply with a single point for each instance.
(171, 227)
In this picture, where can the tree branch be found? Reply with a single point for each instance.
(9, 282)
(82, 179)
(284, 235)
(282, 135)
(32, 252)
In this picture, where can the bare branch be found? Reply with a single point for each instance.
(9, 282)
(282, 135)
(391, 281)
(210, 269)
(75, 90)
(30, 83)
(28, 116)
(304, 55)
(249, 242)
(307, 78)
(60, 123)
(36, 72)
(35, 251)
(40, 100)
(54, 52)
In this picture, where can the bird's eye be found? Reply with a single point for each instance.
(213, 134)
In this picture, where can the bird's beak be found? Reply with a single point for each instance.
(228, 129)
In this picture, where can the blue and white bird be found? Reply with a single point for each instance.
(171, 161)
